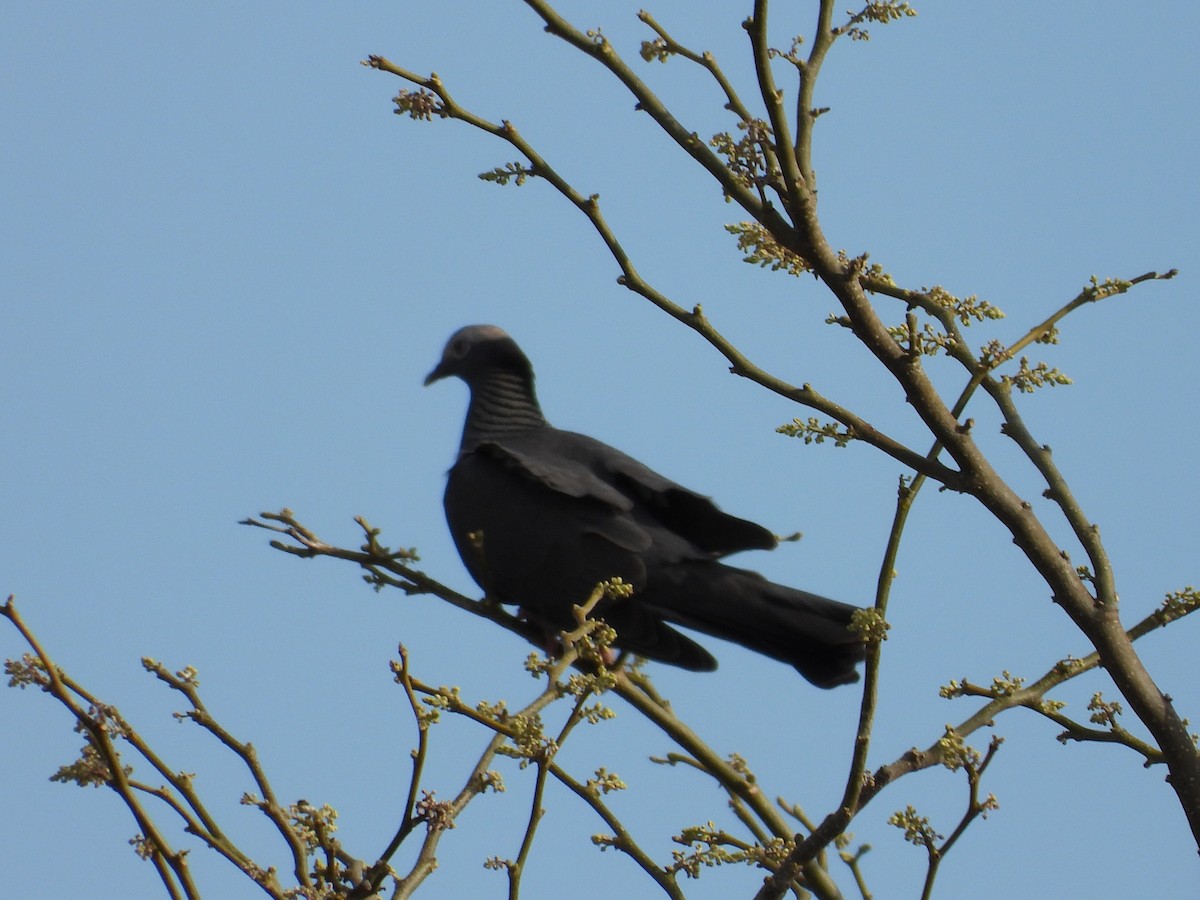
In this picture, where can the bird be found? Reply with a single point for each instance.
(540, 516)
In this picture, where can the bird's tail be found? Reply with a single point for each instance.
(805, 630)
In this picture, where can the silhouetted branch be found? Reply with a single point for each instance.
(633, 686)
(973, 473)
(694, 318)
(100, 763)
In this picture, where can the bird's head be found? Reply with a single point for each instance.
(476, 351)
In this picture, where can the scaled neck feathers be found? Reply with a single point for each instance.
(502, 403)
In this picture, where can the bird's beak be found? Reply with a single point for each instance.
(437, 374)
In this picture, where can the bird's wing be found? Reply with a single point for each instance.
(581, 466)
(551, 477)
(553, 459)
(689, 515)
(539, 532)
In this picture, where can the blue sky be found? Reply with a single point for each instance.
(226, 266)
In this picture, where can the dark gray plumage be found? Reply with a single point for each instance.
(558, 512)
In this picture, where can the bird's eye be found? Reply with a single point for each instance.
(459, 349)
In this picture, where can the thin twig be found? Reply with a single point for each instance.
(170, 864)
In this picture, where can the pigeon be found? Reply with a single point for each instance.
(540, 516)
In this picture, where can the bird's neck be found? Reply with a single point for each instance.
(503, 403)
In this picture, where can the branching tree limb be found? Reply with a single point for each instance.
(634, 688)
(796, 231)
(768, 172)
